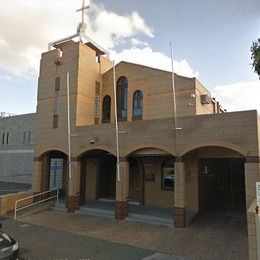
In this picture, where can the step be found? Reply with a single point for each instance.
(150, 219)
(96, 212)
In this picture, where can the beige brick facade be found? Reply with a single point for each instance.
(204, 133)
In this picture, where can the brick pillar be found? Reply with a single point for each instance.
(122, 190)
(36, 176)
(252, 175)
(40, 178)
(74, 186)
(179, 194)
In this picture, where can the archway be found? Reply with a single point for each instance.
(98, 176)
(54, 172)
(215, 180)
(222, 184)
(151, 179)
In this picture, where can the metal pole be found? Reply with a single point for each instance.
(15, 207)
(257, 226)
(174, 95)
(57, 196)
(68, 106)
(82, 13)
(117, 142)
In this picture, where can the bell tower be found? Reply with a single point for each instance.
(85, 61)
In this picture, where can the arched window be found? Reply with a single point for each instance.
(138, 105)
(121, 93)
(106, 109)
(168, 174)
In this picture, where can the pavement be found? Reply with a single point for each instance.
(40, 242)
(211, 236)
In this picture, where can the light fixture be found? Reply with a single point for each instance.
(92, 141)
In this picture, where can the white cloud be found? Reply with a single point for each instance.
(146, 56)
(137, 42)
(28, 26)
(239, 96)
(110, 28)
(26, 29)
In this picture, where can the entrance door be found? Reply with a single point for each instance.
(56, 173)
(107, 177)
(135, 181)
(222, 184)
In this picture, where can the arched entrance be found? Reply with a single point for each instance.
(54, 172)
(215, 180)
(98, 176)
(151, 178)
(222, 184)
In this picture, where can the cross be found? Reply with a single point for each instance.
(82, 10)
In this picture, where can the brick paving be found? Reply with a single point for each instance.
(211, 236)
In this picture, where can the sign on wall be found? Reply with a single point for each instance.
(258, 193)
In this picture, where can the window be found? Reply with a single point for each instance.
(56, 102)
(29, 137)
(106, 109)
(24, 137)
(168, 175)
(121, 93)
(96, 103)
(7, 138)
(138, 105)
(56, 173)
(3, 138)
(57, 84)
(55, 121)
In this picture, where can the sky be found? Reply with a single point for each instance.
(211, 41)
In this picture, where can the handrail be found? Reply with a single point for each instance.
(35, 203)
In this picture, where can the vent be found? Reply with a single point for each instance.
(205, 99)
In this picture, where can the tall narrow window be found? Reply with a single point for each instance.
(29, 137)
(24, 137)
(96, 103)
(138, 105)
(121, 91)
(3, 138)
(56, 103)
(7, 138)
(106, 109)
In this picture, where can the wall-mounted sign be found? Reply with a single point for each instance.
(258, 194)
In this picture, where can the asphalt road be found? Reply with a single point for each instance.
(38, 242)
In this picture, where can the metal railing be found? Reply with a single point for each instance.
(37, 202)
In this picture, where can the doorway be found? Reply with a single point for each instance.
(136, 181)
(222, 184)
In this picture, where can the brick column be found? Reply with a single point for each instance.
(179, 194)
(73, 186)
(40, 177)
(36, 176)
(122, 190)
(252, 175)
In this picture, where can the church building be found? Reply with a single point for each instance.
(185, 156)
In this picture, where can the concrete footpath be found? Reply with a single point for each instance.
(212, 236)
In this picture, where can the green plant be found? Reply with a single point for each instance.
(255, 56)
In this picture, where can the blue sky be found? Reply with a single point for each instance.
(211, 40)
